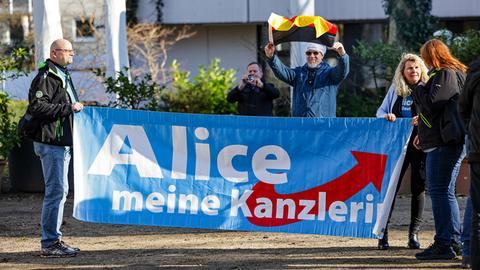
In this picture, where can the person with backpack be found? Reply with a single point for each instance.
(52, 100)
(442, 141)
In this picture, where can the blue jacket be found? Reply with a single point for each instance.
(318, 99)
(388, 102)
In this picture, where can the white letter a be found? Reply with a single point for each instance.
(142, 155)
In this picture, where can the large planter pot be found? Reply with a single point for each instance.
(26, 169)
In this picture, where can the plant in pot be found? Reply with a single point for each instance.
(8, 132)
(10, 67)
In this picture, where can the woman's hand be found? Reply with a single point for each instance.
(416, 142)
(390, 117)
(415, 121)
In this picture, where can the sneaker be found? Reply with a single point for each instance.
(457, 247)
(57, 250)
(437, 251)
(68, 246)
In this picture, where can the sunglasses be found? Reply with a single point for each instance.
(65, 50)
(310, 53)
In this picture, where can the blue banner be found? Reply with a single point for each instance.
(330, 176)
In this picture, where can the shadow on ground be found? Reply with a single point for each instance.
(107, 246)
(294, 258)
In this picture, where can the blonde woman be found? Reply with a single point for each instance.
(399, 103)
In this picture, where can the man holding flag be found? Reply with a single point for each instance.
(315, 84)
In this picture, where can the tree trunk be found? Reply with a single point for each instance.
(393, 35)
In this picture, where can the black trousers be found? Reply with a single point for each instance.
(415, 158)
(475, 194)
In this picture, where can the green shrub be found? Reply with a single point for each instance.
(381, 60)
(138, 93)
(206, 94)
(8, 128)
(13, 62)
(18, 109)
(356, 105)
(466, 47)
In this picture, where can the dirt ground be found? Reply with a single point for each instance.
(140, 247)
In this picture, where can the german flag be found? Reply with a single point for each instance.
(301, 28)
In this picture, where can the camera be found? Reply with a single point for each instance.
(250, 78)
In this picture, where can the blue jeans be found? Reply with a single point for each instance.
(55, 161)
(442, 167)
(467, 228)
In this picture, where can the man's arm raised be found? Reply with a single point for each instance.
(281, 71)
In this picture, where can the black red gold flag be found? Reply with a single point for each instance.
(301, 28)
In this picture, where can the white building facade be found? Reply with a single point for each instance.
(235, 30)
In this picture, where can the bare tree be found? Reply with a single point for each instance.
(152, 41)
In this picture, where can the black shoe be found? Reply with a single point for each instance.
(437, 251)
(413, 241)
(457, 248)
(68, 246)
(383, 243)
(58, 250)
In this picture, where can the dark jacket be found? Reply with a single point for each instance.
(314, 90)
(469, 109)
(431, 99)
(50, 105)
(253, 100)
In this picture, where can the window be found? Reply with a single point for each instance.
(84, 30)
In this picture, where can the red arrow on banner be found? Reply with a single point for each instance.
(370, 169)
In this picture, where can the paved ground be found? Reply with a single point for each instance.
(141, 247)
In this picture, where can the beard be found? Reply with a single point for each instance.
(312, 65)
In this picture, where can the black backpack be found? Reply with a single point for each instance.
(27, 126)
